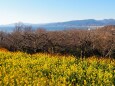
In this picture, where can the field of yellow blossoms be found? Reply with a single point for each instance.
(21, 69)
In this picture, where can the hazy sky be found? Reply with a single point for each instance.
(45, 11)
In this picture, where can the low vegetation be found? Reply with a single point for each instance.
(21, 69)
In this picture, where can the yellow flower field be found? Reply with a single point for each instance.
(21, 69)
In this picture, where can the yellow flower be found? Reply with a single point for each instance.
(85, 82)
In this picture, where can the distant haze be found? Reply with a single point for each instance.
(75, 24)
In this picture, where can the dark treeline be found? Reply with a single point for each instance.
(80, 43)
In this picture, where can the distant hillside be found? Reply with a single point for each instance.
(78, 24)
(88, 22)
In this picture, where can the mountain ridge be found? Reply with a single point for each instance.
(64, 25)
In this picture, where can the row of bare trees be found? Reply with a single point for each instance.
(99, 42)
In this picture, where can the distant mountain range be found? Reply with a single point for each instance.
(78, 24)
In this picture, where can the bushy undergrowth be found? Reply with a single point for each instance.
(80, 43)
(21, 69)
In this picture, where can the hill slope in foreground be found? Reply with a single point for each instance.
(43, 69)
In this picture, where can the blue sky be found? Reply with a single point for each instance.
(46, 11)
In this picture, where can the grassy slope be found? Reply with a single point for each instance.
(54, 70)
